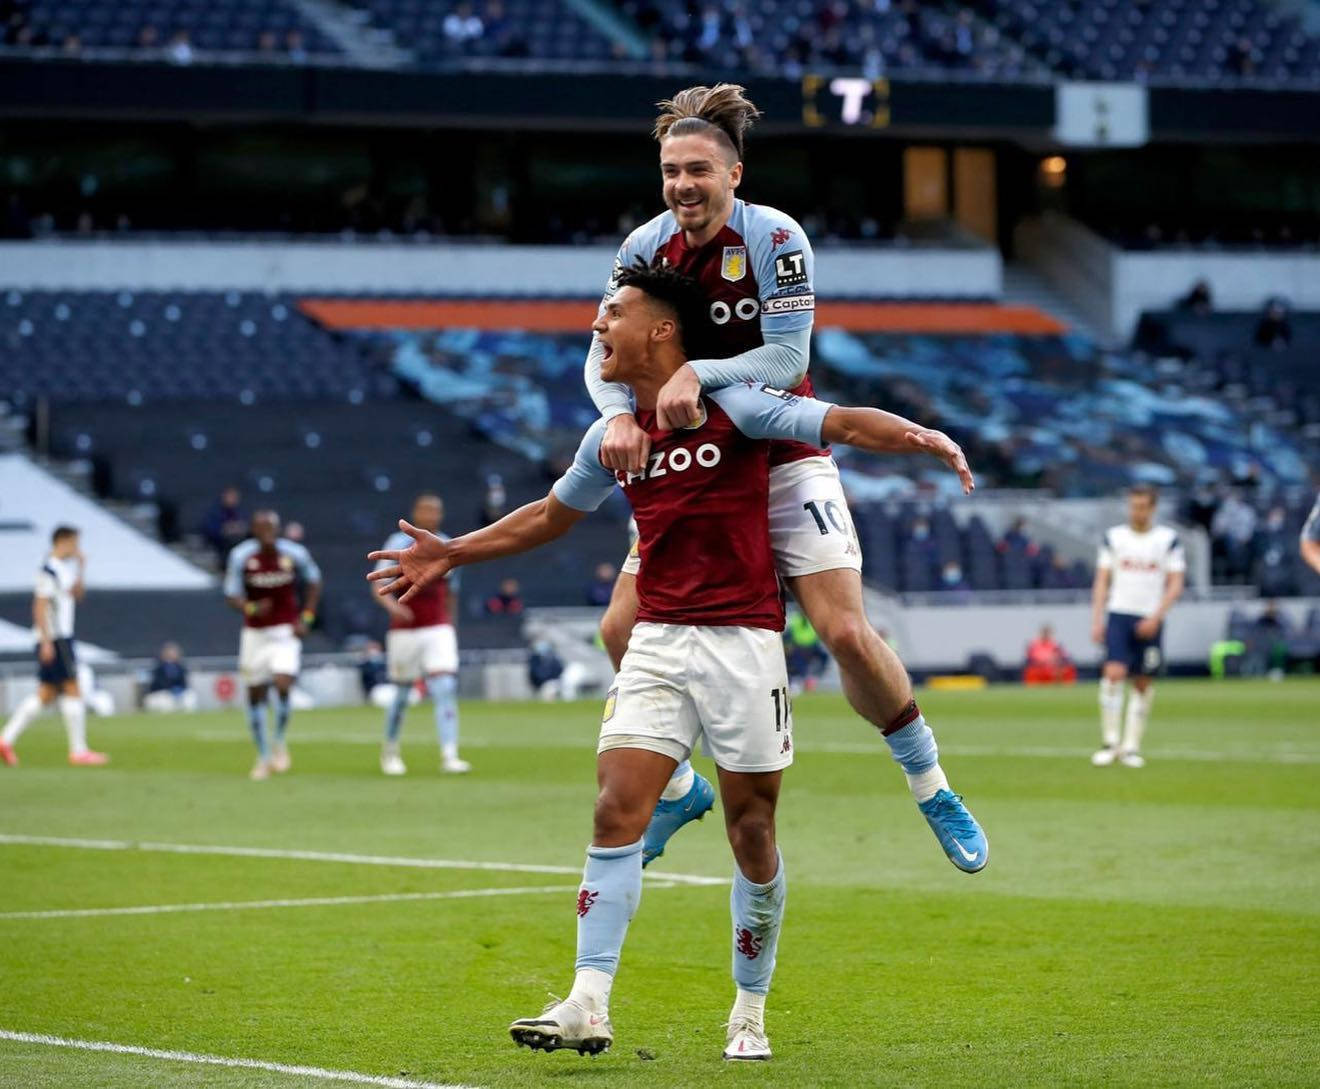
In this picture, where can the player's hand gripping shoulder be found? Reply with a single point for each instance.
(625, 445)
(411, 569)
(679, 403)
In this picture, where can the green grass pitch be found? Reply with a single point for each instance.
(1134, 928)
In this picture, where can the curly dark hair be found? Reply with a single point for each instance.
(681, 294)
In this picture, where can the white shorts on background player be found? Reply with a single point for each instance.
(726, 688)
(811, 529)
(265, 653)
(419, 652)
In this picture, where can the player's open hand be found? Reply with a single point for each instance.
(625, 446)
(413, 568)
(938, 444)
(1148, 627)
(679, 403)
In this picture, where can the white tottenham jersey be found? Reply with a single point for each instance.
(1139, 563)
(55, 583)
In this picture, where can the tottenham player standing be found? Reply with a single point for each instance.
(1139, 574)
(422, 645)
(60, 586)
(705, 661)
(261, 582)
(757, 268)
(1310, 542)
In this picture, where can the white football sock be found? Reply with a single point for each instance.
(1111, 711)
(748, 1006)
(591, 989)
(679, 784)
(926, 784)
(21, 719)
(1138, 709)
(75, 723)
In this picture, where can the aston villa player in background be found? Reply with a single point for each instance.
(261, 581)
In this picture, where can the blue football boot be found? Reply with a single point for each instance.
(957, 830)
(669, 817)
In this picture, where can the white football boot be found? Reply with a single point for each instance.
(1131, 759)
(454, 765)
(565, 1026)
(391, 763)
(280, 761)
(260, 770)
(747, 1040)
(1103, 758)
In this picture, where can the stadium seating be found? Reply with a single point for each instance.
(261, 27)
(438, 33)
(786, 36)
(1169, 40)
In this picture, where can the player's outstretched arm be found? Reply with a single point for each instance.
(429, 558)
(882, 432)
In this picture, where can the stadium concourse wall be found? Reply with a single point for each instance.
(445, 268)
(1113, 286)
(946, 638)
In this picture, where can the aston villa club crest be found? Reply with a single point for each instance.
(610, 702)
(734, 267)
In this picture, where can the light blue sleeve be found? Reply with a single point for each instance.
(763, 412)
(587, 483)
(302, 560)
(785, 269)
(613, 398)
(781, 362)
(233, 586)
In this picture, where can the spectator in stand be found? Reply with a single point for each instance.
(225, 523)
(507, 601)
(296, 532)
(1058, 575)
(373, 670)
(268, 43)
(1274, 574)
(1198, 300)
(1047, 661)
(180, 49)
(463, 25)
(1267, 643)
(148, 37)
(601, 586)
(495, 503)
(1310, 544)
(1016, 538)
(295, 47)
(1274, 330)
(952, 580)
(1233, 532)
(168, 688)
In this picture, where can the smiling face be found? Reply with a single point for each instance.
(700, 175)
(627, 328)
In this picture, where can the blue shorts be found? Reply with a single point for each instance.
(1142, 657)
(63, 667)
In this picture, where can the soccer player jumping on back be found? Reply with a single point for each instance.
(1139, 574)
(261, 582)
(705, 661)
(756, 268)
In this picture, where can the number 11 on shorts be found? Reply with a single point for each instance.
(783, 709)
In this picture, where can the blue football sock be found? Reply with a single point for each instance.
(397, 709)
(282, 709)
(257, 724)
(758, 914)
(443, 688)
(913, 746)
(611, 889)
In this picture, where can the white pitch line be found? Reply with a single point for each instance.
(857, 748)
(320, 1072)
(311, 901)
(334, 856)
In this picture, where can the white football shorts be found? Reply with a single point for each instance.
(265, 653)
(726, 687)
(811, 529)
(419, 652)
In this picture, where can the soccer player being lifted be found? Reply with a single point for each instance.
(756, 268)
(261, 581)
(1139, 574)
(705, 661)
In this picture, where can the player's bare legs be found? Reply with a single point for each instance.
(630, 782)
(756, 903)
(257, 724)
(1121, 735)
(879, 689)
(70, 701)
(687, 796)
